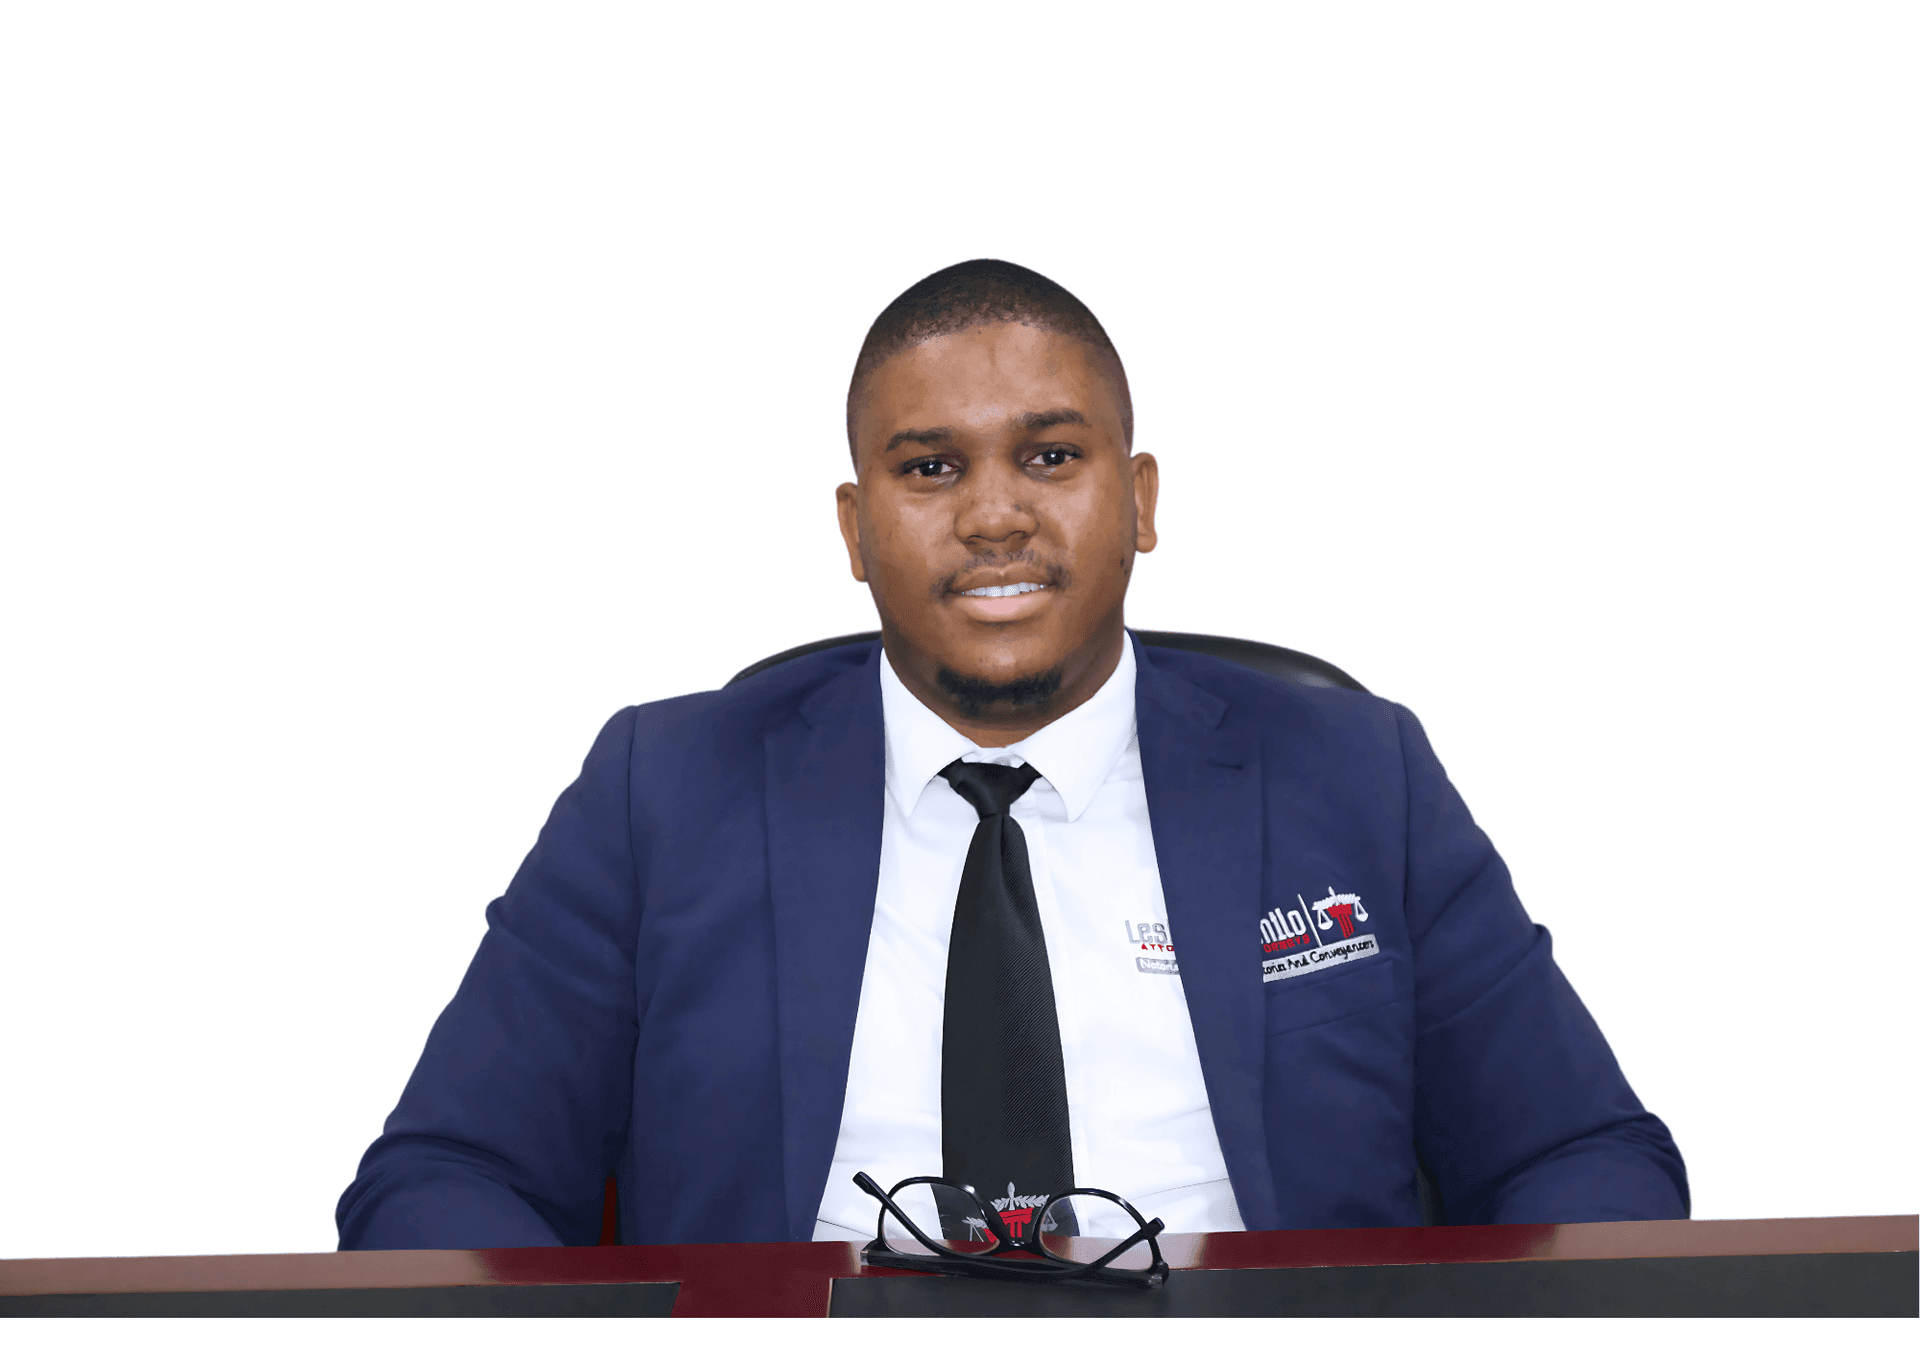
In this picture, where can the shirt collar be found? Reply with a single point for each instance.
(1074, 753)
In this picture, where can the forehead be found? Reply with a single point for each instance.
(982, 378)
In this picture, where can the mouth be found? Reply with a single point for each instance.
(1003, 590)
(1014, 601)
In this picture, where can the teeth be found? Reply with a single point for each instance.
(1004, 590)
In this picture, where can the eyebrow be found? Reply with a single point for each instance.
(933, 437)
(1032, 422)
(1042, 419)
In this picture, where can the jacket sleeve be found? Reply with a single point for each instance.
(513, 1117)
(1522, 1113)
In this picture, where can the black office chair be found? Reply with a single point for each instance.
(1275, 660)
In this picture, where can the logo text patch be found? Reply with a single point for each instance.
(1318, 958)
(1152, 947)
(1313, 937)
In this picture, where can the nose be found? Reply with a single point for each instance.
(994, 507)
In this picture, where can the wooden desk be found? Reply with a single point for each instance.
(1842, 1265)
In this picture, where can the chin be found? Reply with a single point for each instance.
(998, 665)
(976, 696)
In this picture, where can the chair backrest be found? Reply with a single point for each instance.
(1278, 661)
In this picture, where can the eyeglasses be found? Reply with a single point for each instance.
(1084, 1235)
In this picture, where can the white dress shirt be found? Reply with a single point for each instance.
(1136, 1101)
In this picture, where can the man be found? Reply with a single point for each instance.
(1008, 898)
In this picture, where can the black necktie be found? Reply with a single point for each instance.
(1003, 1087)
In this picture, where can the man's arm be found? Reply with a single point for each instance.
(519, 1105)
(1523, 1113)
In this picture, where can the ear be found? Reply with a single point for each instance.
(1146, 495)
(847, 503)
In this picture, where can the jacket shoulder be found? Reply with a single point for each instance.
(745, 710)
(1264, 700)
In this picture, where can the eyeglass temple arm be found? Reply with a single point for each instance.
(872, 1189)
(1150, 1231)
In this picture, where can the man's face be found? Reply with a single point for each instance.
(997, 515)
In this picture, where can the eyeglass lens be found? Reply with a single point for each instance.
(1081, 1227)
(942, 1213)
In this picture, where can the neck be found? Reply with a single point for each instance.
(1003, 723)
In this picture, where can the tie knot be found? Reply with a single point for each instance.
(990, 788)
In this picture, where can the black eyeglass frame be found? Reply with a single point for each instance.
(1047, 1267)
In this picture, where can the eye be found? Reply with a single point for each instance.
(929, 467)
(1054, 457)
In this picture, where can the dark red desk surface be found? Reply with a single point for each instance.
(797, 1279)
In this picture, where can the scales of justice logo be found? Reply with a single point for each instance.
(1302, 941)
(1014, 1208)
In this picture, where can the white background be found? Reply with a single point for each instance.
(388, 393)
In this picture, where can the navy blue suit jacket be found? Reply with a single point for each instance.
(667, 989)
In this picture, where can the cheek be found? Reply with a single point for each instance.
(900, 542)
(1102, 542)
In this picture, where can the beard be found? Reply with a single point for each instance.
(974, 696)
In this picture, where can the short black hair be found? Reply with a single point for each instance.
(982, 292)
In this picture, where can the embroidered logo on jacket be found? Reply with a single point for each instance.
(1015, 1209)
(1300, 941)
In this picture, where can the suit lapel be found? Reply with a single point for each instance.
(826, 784)
(1204, 799)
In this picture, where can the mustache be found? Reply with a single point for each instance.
(1053, 573)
